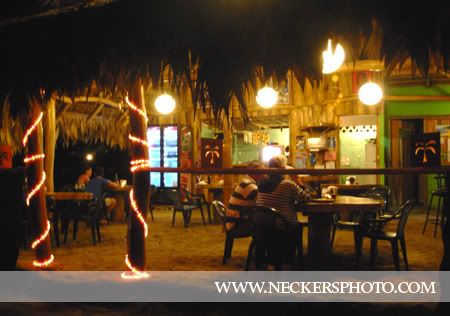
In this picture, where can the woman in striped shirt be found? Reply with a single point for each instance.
(275, 191)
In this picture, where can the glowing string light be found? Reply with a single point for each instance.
(134, 274)
(36, 188)
(139, 164)
(32, 158)
(139, 215)
(135, 139)
(136, 109)
(44, 263)
(31, 129)
(41, 238)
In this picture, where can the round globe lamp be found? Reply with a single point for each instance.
(266, 97)
(370, 93)
(165, 104)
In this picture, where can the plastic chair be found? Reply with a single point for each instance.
(220, 209)
(264, 221)
(90, 213)
(199, 198)
(382, 193)
(185, 208)
(353, 222)
(441, 193)
(375, 231)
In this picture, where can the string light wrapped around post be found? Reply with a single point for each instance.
(36, 179)
(138, 229)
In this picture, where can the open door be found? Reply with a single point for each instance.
(403, 133)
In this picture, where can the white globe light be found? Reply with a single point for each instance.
(267, 97)
(370, 93)
(332, 61)
(165, 104)
(89, 157)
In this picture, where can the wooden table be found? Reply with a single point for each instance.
(122, 206)
(351, 189)
(320, 219)
(70, 196)
(65, 196)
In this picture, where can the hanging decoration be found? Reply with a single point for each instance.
(34, 159)
(332, 61)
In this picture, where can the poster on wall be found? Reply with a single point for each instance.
(5, 156)
(427, 150)
(211, 151)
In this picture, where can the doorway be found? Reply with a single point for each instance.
(403, 132)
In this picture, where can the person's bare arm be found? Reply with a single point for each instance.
(113, 185)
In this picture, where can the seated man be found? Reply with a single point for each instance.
(98, 185)
(243, 198)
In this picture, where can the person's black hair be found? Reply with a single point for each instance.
(85, 168)
(99, 171)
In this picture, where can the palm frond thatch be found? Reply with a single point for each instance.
(221, 42)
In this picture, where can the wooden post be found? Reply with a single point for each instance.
(40, 226)
(445, 264)
(227, 160)
(50, 143)
(137, 226)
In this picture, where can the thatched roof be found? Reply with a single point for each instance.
(213, 47)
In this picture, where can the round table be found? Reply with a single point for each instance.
(320, 219)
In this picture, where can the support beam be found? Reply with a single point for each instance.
(137, 226)
(50, 143)
(35, 199)
(66, 107)
(95, 112)
(227, 161)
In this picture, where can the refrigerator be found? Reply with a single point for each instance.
(163, 143)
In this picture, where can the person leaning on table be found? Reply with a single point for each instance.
(98, 185)
(243, 198)
(278, 192)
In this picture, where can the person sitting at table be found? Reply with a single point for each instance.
(83, 178)
(98, 185)
(242, 199)
(275, 191)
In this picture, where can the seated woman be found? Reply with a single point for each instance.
(277, 192)
(83, 178)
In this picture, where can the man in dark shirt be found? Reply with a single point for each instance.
(98, 184)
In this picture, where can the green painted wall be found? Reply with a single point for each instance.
(402, 109)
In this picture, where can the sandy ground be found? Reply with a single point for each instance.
(200, 248)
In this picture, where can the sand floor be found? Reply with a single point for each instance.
(200, 248)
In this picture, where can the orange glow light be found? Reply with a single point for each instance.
(134, 274)
(139, 215)
(44, 263)
(42, 237)
(136, 109)
(31, 129)
(36, 188)
(29, 159)
(135, 139)
(139, 164)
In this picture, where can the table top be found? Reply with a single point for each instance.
(210, 186)
(343, 203)
(121, 189)
(70, 196)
